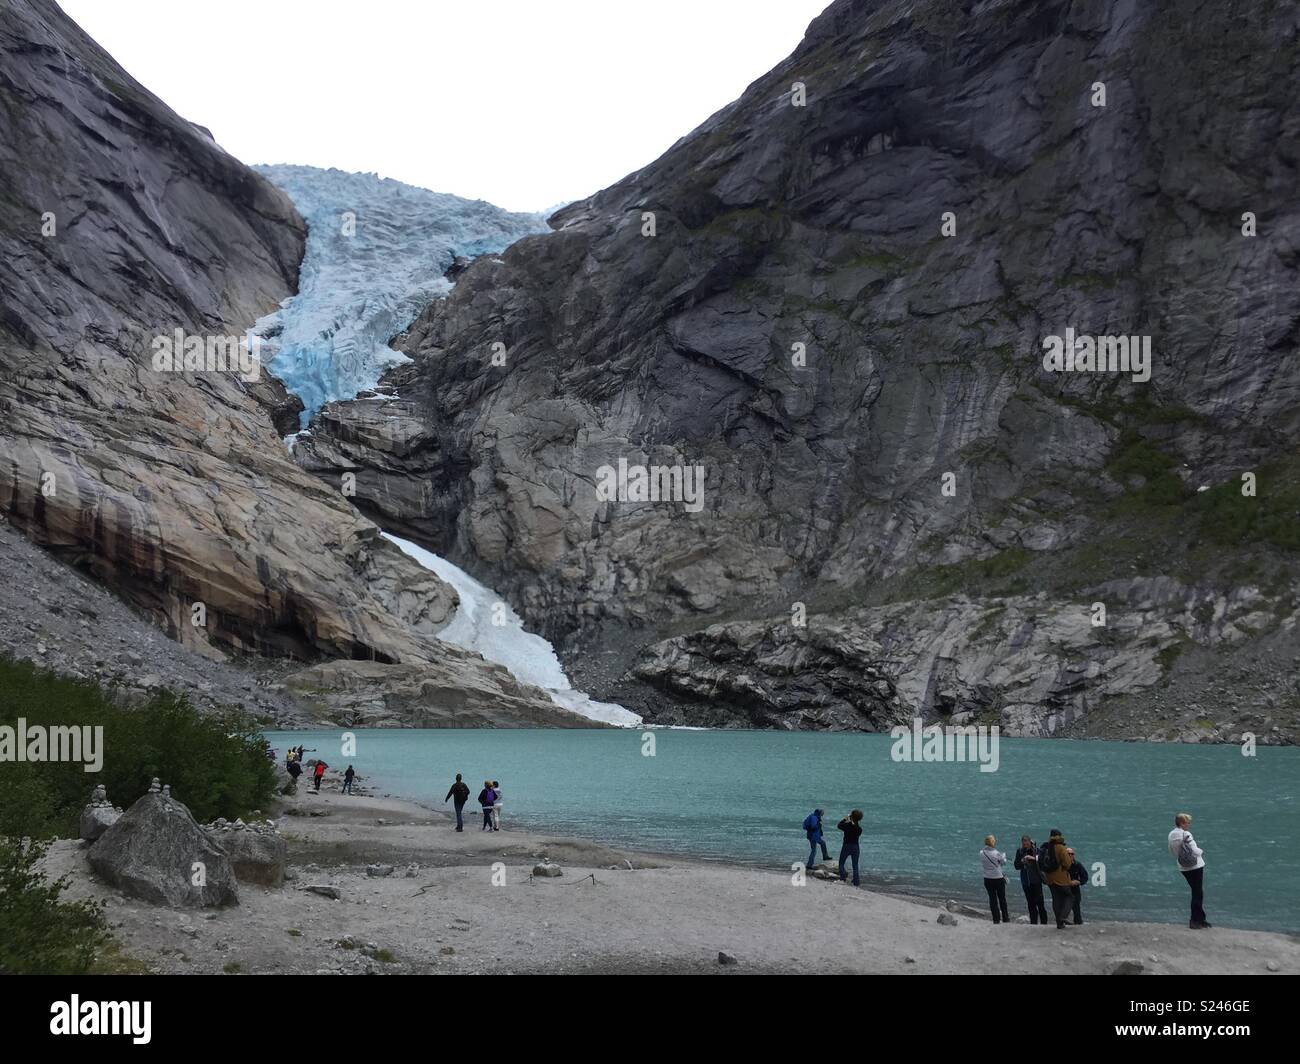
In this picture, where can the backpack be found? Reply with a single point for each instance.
(1047, 861)
(1186, 855)
(810, 822)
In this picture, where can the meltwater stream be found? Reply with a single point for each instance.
(485, 622)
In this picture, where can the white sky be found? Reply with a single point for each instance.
(526, 103)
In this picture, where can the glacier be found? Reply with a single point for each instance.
(376, 253)
(330, 342)
(485, 623)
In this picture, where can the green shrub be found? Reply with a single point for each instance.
(216, 764)
(39, 934)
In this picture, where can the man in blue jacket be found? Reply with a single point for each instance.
(812, 827)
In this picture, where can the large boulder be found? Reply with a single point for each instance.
(257, 853)
(157, 852)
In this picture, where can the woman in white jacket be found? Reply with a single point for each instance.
(995, 881)
(1190, 859)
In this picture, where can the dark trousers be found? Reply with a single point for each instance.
(1034, 899)
(846, 853)
(487, 818)
(460, 817)
(1076, 902)
(1194, 878)
(1060, 903)
(318, 779)
(997, 892)
(812, 852)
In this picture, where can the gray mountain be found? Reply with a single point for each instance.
(120, 225)
(842, 316)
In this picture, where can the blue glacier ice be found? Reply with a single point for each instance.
(357, 291)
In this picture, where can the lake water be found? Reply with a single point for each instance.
(741, 796)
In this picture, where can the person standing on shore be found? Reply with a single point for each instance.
(496, 805)
(851, 826)
(320, 773)
(1031, 880)
(459, 793)
(1078, 877)
(995, 881)
(812, 827)
(1191, 863)
(348, 777)
(487, 798)
(1054, 863)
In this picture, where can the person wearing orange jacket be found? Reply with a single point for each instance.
(1054, 862)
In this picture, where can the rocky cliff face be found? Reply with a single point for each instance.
(833, 298)
(121, 223)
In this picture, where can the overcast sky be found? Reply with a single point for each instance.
(526, 103)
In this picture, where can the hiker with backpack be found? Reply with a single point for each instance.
(995, 881)
(1078, 877)
(851, 826)
(1054, 864)
(812, 827)
(459, 791)
(1031, 880)
(1191, 863)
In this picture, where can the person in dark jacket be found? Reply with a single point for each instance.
(459, 793)
(812, 827)
(1031, 880)
(486, 798)
(348, 777)
(1078, 876)
(1057, 878)
(851, 826)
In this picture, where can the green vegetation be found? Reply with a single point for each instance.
(217, 765)
(39, 934)
(999, 574)
(1272, 515)
(1136, 456)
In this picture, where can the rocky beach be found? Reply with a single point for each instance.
(375, 884)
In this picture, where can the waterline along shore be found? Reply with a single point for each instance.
(385, 884)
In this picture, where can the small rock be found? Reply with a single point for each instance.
(1272, 966)
(909, 960)
(547, 870)
(378, 871)
(324, 890)
(1126, 968)
(726, 958)
(948, 920)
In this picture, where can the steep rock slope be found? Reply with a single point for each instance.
(1094, 162)
(120, 223)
